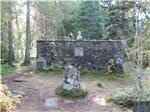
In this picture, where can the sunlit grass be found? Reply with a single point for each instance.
(101, 74)
(91, 74)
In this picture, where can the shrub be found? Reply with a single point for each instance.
(57, 67)
(110, 68)
(126, 98)
(121, 98)
(70, 94)
(7, 100)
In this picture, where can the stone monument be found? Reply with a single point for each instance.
(71, 77)
(79, 36)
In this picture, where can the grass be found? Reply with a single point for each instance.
(49, 72)
(6, 69)
(101, 74)
(91, 74)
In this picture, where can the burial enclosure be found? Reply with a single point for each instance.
(89, 54)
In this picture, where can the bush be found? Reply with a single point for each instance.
(110, 68)
(123, 99)
(126, 98)
(7, 100)
(70, 94)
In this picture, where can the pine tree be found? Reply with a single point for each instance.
(89, 19)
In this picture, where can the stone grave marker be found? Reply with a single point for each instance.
(71, 77)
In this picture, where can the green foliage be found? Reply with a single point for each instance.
(110, 68)
(89, 19)
(121, 98)
(6, 69)
(57, 67)
(103, 21)
(127, 97)
(86, 18)
(70, 94)
(117, 19)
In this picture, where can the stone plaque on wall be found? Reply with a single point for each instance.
(78, 51)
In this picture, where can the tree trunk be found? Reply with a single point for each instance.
(149, 61)
(19, 34)
(46, 29)
(28, 35)
(10, 35)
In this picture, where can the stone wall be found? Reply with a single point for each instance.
(90, 54)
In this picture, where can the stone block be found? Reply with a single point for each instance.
(40, 64)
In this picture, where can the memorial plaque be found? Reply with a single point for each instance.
(78, 51)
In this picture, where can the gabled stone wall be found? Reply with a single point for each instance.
(89, 54)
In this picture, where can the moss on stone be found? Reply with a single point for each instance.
(71, 94)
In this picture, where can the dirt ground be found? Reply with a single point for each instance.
(37, 89)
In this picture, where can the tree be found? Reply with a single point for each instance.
(28, 35)
(118, 17)
(86, 18)
(4, 32)
(18, 32)
(135, 53)
(10, 35)
(89, 19)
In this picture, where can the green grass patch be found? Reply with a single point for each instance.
(6, 69)
(91, 74)
(49, 72)
(101, 74)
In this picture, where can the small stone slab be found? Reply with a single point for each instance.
(51, 102)
(18, 93)
(67, 101)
